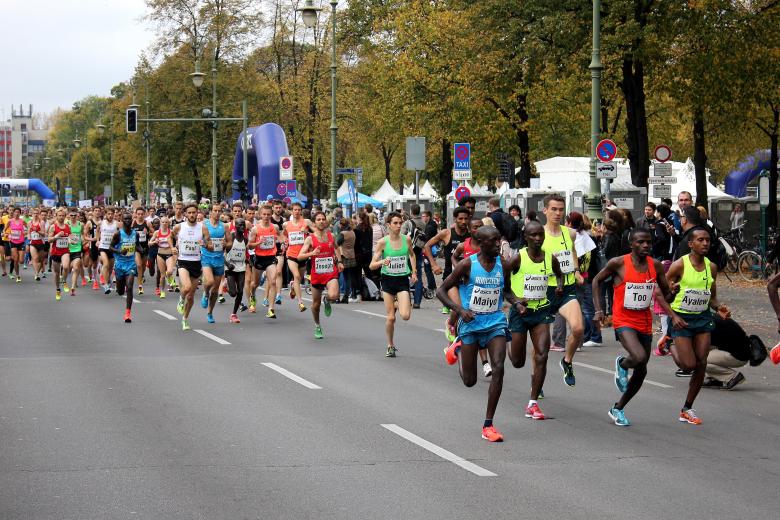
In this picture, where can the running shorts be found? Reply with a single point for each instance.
(700, 323)
(261, 263)
(123, 269)
(481, 338)
(522, 323)
(556, 302)
(108, 252)
(394, 284)
(646, 340)
(193, 267)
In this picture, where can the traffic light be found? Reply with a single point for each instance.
(240, 186)
(132, 119)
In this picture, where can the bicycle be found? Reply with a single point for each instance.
(734, 243)
(754, 265)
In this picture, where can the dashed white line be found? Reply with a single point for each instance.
(165, 315)
(298, 379)
(439, 451)
(212, 337)
(369, 313)
(612, 372)
(136, 300)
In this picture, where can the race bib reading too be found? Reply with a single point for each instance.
(485, 300)
(638, 296)
(323, 265)
(535, 286)
(397, 265)
(695, 301)
(296, 238)
(566, 261)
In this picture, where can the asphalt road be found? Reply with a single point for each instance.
(100, 419)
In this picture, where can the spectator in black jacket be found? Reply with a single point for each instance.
(730, 350)
(648, 220)
(503, 222)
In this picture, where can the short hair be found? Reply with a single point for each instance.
(515, 207)
(687, 193)
(553, 197)
(274, 202)
(460, 209)
(392, 215)
(531, 215)
(415, 210)
(296, 204)
(637, 231)
(188, 206)
(494, 201)
(317, 214)
(692, 215)
(238, 204)
(427, 213)
(467, 200)
(266, 206)
(369, 208)
(651, 205)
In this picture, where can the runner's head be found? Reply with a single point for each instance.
(191, 213)
(641, 241)
(140, 214)
(240, 224)
(554, 207)
(165, 222)
(265, 213)
(73, 215)
(178, 207)
(699, 241)
(474, 225)
(534, 235)
(216, 211)
(489, 240)
(109, 214)
(394, 221)
(296, 210)
(237, 210)
(470, 203)
(127, 220)
(16, 213)
(320, 220)
(461, 216)
(61, 215)
(277, 207)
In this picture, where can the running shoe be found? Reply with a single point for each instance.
(265, 302)
(301, 307)
(162, 294)
(568, 372)
(278, 299)
(318, 332)
(221, 298)
(270, 314)
(489, 433)
(83, 282)
(18, 279)
(73, 292)
(37, 278)
(252, 301)
(242, 307)
(204, 301)
(64, 286)
(591, 343)
(663, 346)
(619, 417)
(556, 348)
(445, 310)
(451, 352)
(532, 411)
(210, 318)
(140, 289)
(292, 292)
(184, 324)
(621, 376)
(689, 416)
(234, 319)
(683, 373)
(102, 280)
(252, 309)
(180, 306)
(128, 318)
(95, 285)
(58, 296)
(328, 308)
(391, 350)
(541, 394)
(487, 370)
(157, 292)
(107, 290)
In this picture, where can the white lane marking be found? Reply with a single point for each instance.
(165, 315)
(212, 337)
(440, 330)
(369, 313)
(290, 375)
(612, 372)
(136, 300)
(438, 450)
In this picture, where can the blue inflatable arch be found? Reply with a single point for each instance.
(48, 197)
(267, 144)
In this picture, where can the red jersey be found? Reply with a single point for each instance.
(266, 238)
(36, 233)
(323, 265)
(59, 244)
(634, 297)
(467, 249)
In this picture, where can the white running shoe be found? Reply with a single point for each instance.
(487, 370)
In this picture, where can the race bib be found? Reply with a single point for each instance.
(16, 234)
(61, 242)
(296, 238)
(189, 247)
(74, 239)
(323, 265)
(695, 301)
(638, 296)
(163, 243)
(566, 261)
(535, 286)
(484, 300)
(236, 256)
(397, 265)
(34, 235)
(128, 249)
(142, 236)
(216, 243)
(267, 242)
(105, 242)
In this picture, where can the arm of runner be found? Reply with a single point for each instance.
(438, 238)
(673, 275)
(457, 254)
(207, 239)
(252, 241)
(560, 278)
(663, 294)
(720, 308)
(115, 243)
(577, 274)
(377, 261)
(174, 239)
(306, 250)
(772, 287)
(512, 266)
(609, 270)
(412, 260)
(460, 271)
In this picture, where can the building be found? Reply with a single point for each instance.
(5, 149)
(25, 143)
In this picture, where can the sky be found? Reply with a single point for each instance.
(59, 51)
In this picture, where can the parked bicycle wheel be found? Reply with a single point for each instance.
(750, 266)
(429, 294)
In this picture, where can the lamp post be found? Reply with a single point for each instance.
(77, 144)
(197, 80)
(101, 128)
(309, 14)
(594, 191)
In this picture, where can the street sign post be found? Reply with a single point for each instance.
(415, 153)
(462, 162)
(606, 150)
(662, 153)
(359, 177)
(606, 170)
(285, 168)
(763, 201)
(461, 175)
(662, 169)
(662, 191)
(661, 180)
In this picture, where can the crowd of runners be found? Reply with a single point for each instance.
(495, 296)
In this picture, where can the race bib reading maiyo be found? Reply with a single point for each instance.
(267, 242)
(323, 265)
(484, 300)
(216, 244)
(638, 296)
(397, 265)
(695, 301)
(535, 287)
(566, 261)
(61, 242)
(296, 238)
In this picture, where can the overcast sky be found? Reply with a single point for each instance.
(58, 51)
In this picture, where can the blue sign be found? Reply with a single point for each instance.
(352, 194)
(292, 189)
(462, 156)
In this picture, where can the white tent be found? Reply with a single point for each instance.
(343, 189)
(427, 191)
(386, 193)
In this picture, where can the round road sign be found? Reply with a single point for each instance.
(606, 150)
(662, 153)
(287, 200)
(462, 152)
(462, 192)
(281, 189)
(286, 163)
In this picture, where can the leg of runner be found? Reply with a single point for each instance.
(108, 267)
(187, 296)
(270, 276)
(160, 277)
(76, 270)
(572, 313)
(316, 303)
(638, 348)
(295, 284)
(36, 261)
(208, 285)
(56, 268)
(124, 287)
(685, 356)
(235, 285)
(217, 274)
(17, 255)
(140, 265)
(255, 282)
(389, 300)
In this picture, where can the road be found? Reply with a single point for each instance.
(100, 419)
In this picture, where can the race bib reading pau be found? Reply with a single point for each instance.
(397, 265)
(189, 247)
(566, 261)
(323, 265)
(638, 296)
(535, 286)
(267, 242)
(484, 300)
(61, 242)
(695, 301)
(296, 238)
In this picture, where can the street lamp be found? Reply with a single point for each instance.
(309, 14)
(101, 129)
(594, 190)
(197, 80)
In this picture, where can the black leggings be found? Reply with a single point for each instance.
(235, 284)
(354, 280)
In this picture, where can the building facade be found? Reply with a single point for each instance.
(6, 166)
(20, 143)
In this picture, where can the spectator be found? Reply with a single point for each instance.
(504, 223)
(663, 244)
(648, 220)
(705, 215)
(519, 242)
(346, 239)
(530, 215)
(415, 229)
(364, 246)
(431, 229)
(730, 350)
(690, 219)
(737, 217)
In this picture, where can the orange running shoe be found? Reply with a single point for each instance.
(234, 319)
(83, 282)
(128, 319)
(489, 433)
(95, 285)
(451, 352)
(102, 280)
(534, 412)
(689, 416)
(157, 291)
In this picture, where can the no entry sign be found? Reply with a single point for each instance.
(662, 153)
(606, 150)
(462, 192)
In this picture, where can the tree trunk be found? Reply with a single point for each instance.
(387, 156)
(633, 87)
(771, 216)
(445, 174)
(198, 186)
(700, 158)
(308, 169)
(319, 177)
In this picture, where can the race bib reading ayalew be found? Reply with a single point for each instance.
(566, 261)
(535, 286)
(695, 301)
(397, 265)
(323, 265)
(296, 238)
(484, 300)
(638, 296)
